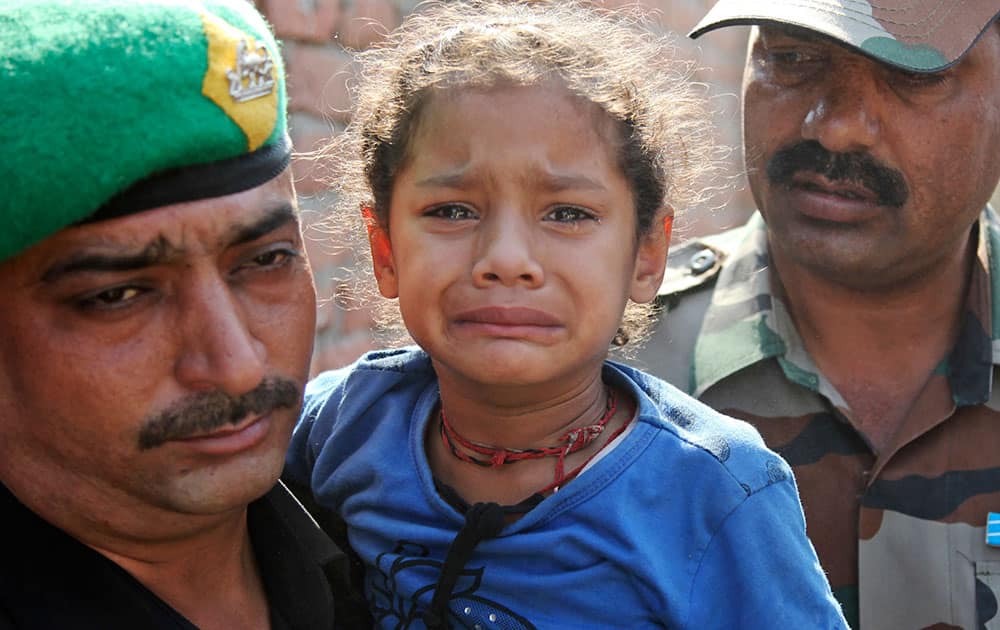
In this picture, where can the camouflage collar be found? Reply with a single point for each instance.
(745, 323)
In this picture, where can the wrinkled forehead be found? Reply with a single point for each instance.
(163, 235)
(431, 126)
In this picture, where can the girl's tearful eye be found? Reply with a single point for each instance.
(570, 214)
(452, 212)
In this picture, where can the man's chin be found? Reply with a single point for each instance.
(225, 486)
(856, 268)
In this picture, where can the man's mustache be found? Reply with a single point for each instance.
(206, 412)
(886, 184)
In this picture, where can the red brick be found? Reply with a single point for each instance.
(677, 15)
(340, 352)
(329, 258)
(345, 321)
(324, 257)
(340, 316)
(317, 79)
(368, 22)
(357, 319)
(314, 214)
(308, 20)
(309, 134)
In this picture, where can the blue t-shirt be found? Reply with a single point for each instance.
(689, 522)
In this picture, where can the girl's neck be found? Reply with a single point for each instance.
(521, 416)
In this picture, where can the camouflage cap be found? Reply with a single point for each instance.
(916, 35)
(110, 107)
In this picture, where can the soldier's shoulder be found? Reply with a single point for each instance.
(694, 265)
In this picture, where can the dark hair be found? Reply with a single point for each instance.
(605, 57)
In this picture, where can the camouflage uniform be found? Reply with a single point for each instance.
(900, 533)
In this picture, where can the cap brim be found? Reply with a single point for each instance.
(921, 37)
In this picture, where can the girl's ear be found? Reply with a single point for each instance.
(382, 264)
(651, 258)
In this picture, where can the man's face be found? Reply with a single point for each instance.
(153, 364)
(865, 174)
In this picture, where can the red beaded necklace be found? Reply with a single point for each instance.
(496, 456)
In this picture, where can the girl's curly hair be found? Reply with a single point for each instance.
(610, 58)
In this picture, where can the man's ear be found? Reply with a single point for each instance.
(382, 263)
(651, 258)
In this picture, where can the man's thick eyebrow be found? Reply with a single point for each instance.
(160, 251)
(155, 253)
(272, 220)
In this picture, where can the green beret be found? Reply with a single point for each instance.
(109, 107)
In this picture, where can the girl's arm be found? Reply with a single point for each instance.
(760, 570)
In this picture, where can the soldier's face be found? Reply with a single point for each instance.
(152, 365)
(865, 174)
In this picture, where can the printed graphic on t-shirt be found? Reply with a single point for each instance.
(403, 585)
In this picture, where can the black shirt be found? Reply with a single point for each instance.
(50, 580)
